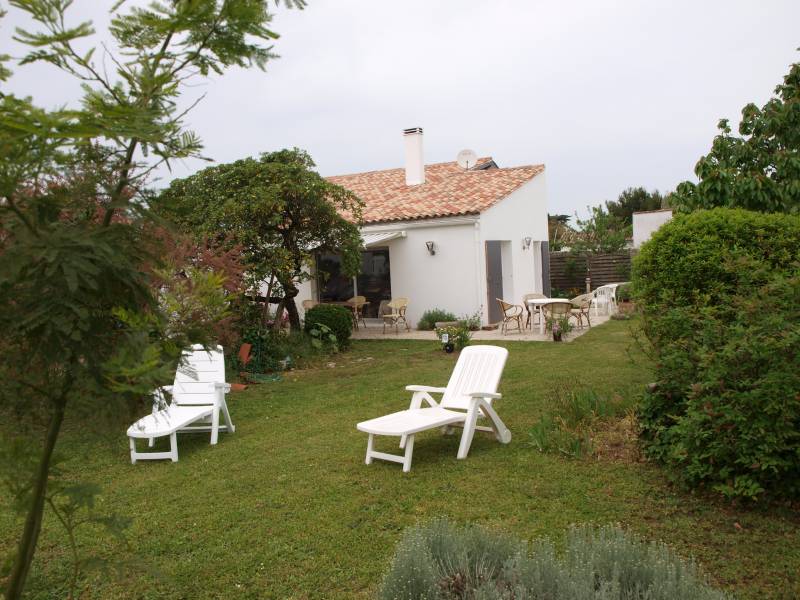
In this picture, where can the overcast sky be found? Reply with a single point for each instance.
(607, 94)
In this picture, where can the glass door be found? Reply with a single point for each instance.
(374, 281)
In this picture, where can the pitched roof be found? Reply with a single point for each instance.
(448, 190)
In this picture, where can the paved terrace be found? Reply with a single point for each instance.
(374, 331)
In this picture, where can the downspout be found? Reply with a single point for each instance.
(479, 283)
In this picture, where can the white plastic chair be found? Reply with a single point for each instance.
(198, 397)
(467, 397)
(605, 298)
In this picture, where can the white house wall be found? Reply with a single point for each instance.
(523, 213)
(645, 224)
(446, 280)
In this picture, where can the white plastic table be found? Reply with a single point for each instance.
(537, 303)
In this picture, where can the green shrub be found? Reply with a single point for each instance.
(276, 351)
(458, 335)
(431, 317)
(338, 318)
(718, 292)
(471, 322)
(439, 561)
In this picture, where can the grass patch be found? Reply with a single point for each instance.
(285, 507)
(575, 417)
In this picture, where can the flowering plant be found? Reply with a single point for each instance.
(457, 335)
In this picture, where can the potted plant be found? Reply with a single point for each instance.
(559, 327)
(453, 337)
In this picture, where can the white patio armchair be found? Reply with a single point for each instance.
(605, 299)
(468, 397)
(198, 398)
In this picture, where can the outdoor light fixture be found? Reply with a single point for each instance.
(431, 248)
(526, 243)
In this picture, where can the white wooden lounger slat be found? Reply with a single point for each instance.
(198, 398)
(467, 397)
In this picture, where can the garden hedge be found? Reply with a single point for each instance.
(338, 318)
(718, 292)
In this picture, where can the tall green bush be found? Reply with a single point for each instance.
(338, 318)
(718, 295)
(439, 561)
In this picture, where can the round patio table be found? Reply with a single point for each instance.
(538, 303)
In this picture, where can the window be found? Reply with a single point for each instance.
(374, 281)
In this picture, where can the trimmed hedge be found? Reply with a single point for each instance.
(718, 292)
(338, 318)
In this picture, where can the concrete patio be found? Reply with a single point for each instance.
(374, 331)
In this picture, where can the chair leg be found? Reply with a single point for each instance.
(469, 432)
(227, 416)
(133, 451)
(215, 426)
(173, 446)
(151, 442)
(403, 439)
(409, 451)
(368, 460)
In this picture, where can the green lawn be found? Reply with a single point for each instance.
(285, 507)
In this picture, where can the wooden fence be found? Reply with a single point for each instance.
(568, 270)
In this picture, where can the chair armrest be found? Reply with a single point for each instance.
(224, 386)
(166, 388)
(490, 395)
(425, 388)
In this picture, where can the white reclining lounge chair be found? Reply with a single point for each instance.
(468, 396)
(198, 396)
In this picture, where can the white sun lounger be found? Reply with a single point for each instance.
(198, 397)
(467, 397)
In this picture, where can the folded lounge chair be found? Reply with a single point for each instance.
(198, 397)
(467, 397)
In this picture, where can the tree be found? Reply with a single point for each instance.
(760, 168)
(634, 200)
(601, 232)
(278, 209)
(85, 322)
(559, 232)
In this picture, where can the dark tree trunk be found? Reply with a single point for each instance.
(33, 520)
(294, 316)
(290, 293)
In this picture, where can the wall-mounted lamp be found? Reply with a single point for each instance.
(431, 248)
(526, 243)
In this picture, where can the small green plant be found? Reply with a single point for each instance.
(573, 418)
(551, 435)
(322, 337)
(471, 322)
(338, 318)
(440, 561)
(559, 326)
(457, 335)
(433, 316)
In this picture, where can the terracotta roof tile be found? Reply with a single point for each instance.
(448, 190)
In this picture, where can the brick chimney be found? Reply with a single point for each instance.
(415, 164)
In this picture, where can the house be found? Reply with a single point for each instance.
(447, 235)
(646, 223)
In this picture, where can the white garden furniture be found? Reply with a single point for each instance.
(467, 397)
(605, 298)
(198, 397)
(538, 303)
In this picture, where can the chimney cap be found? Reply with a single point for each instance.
(412, 131)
